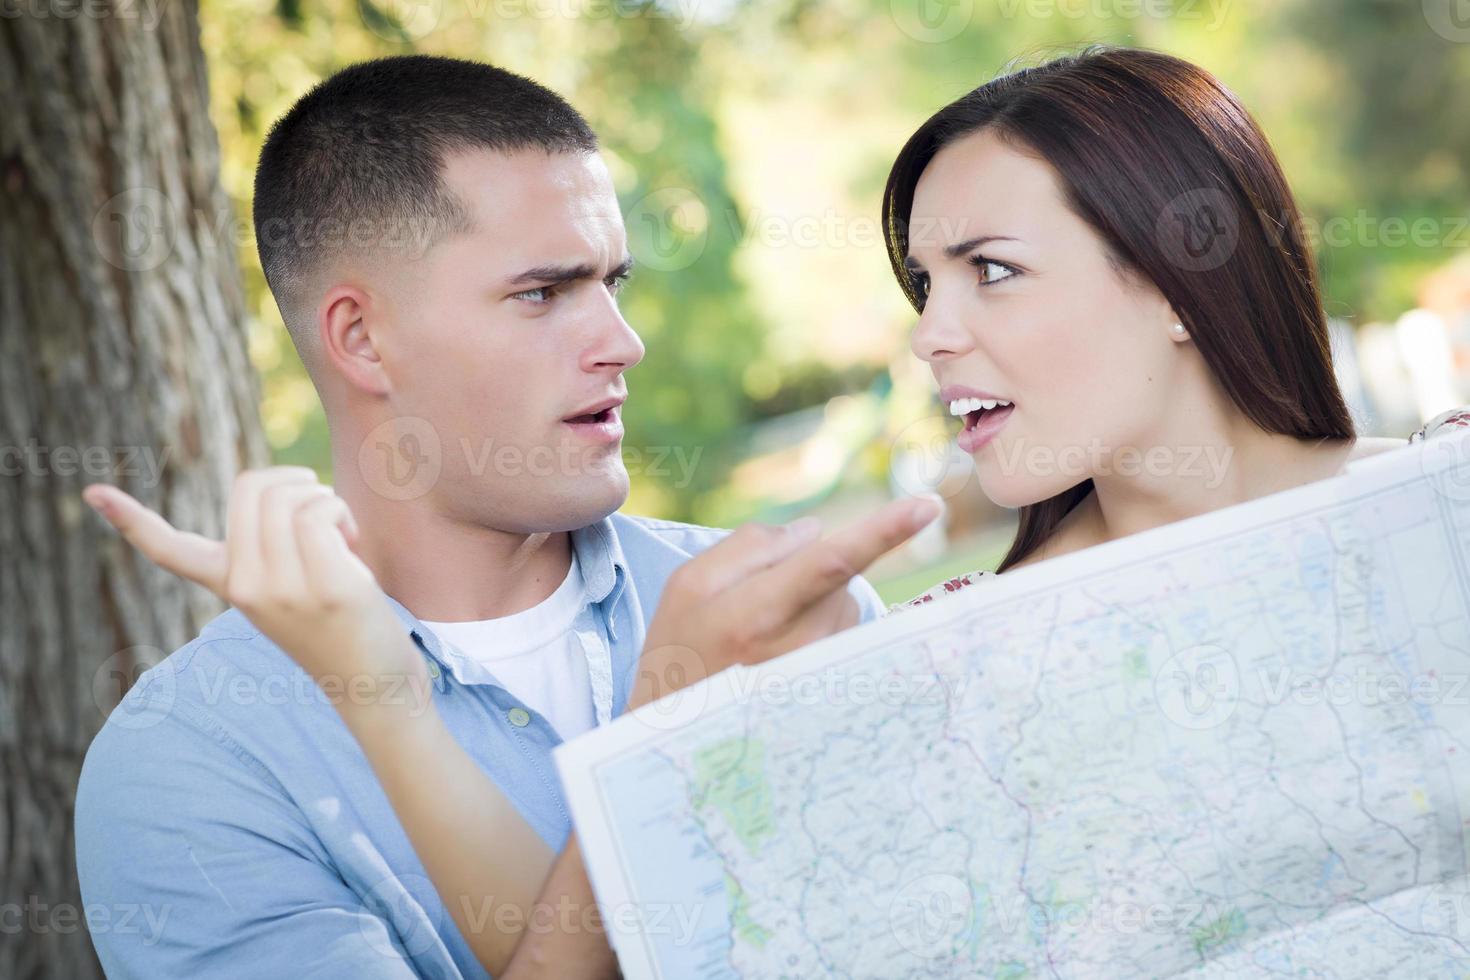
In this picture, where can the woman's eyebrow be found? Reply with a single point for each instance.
(959, 248)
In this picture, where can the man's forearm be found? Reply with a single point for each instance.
(485, 861)
(482, 857)
(575, 947)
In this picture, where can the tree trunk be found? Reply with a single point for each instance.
(122, 359)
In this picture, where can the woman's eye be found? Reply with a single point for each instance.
(920, 281)
(992, 272)
(616, 283)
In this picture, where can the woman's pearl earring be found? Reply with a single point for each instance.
(1178, 330)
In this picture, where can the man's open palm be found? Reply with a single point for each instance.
(287, 564)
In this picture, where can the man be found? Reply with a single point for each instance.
(446, 248)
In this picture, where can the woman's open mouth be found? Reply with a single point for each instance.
(983, 418)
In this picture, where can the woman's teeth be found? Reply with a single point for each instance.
(964, 406)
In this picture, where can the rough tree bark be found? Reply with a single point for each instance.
(122, 358)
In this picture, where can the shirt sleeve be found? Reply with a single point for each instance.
(870, 606)
(947, 587)
(1454, 420)
(195, 862)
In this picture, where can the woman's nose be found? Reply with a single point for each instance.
(939, 335)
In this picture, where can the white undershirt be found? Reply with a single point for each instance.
(536, 655)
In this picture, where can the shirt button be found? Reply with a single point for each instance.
(433, 670)
(519, 717)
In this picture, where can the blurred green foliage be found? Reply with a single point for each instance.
(750, 140)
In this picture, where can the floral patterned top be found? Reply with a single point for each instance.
(1442, 424)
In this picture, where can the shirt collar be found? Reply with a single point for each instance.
(601, 556)
(604, 574)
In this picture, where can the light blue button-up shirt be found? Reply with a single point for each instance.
(228, 824)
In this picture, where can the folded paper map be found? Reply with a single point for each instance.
(1238, 745)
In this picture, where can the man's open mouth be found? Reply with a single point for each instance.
(599, 422)
(597, 413)
(592, 418)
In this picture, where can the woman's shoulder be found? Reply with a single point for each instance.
(944, 588)
(1445, 423)
(1455, 420)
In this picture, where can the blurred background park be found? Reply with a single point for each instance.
(750, 141)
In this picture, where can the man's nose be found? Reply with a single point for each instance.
(617, 345)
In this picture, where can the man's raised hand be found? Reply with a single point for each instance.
(764, 591)
(287, 564)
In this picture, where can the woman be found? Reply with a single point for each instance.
(1112, 286)
(1107, 247)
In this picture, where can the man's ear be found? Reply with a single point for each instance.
(345, 320)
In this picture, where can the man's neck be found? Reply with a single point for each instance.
(443, 569)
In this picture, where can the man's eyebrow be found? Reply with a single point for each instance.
(551, 275)
(960, 248)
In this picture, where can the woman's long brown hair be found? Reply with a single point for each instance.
(1184, 189)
